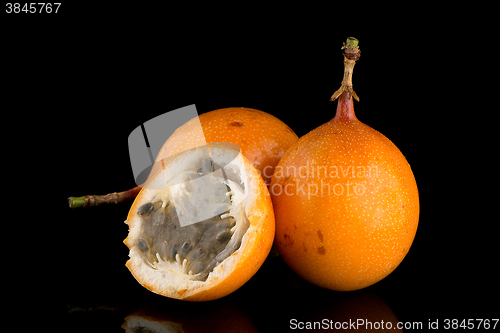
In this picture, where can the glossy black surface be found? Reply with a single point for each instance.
(79, 88)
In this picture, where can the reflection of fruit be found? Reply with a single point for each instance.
(346, 203)
(362, 311)
(217, 316)
(201, 227)
(262, 138)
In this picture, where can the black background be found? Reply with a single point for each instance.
(75, 85)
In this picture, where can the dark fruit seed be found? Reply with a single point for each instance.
(195, 254)
(198, 267)
(207, 224)
(164, 250)
(143, 245)
(224, 224)
(224, 236)
(186, 247)
(173, 251)
(145, 209)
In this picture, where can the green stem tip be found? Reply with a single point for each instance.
(352, 42)
(76, 202)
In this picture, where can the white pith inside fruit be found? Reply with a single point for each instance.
(151, 261)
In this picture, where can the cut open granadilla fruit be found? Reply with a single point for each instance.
(202, 226)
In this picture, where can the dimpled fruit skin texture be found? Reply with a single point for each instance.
(325, 231)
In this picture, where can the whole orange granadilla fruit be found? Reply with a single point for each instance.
(345, 199)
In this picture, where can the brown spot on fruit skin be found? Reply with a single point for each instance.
(236, 123)
(288, 240)
(320, 236)
(321, 250)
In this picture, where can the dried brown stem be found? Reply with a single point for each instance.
(96, 200)
(351, 54)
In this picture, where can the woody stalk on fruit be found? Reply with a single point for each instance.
(351, 54)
